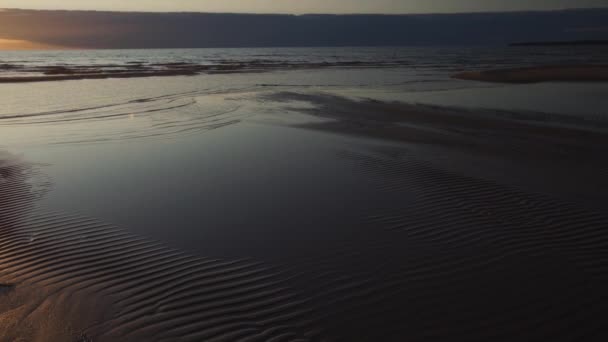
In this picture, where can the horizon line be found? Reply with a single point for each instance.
(311, 13)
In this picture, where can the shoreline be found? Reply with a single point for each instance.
(557, 73)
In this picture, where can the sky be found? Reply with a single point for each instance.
(305, 6)
(91, 29)
(44, 29)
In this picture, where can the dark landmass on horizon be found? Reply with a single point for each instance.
(562, 43)
(120, 30)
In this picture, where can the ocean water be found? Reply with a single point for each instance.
(413, 75)
(450, 58)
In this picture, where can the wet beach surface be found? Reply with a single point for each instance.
(289, 213)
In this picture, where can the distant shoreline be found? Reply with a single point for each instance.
(563, 73)
(562, 43)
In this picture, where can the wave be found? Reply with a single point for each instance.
(15, 73)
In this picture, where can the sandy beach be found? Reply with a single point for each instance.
(556, 73)
(303, 171)
(298, 214)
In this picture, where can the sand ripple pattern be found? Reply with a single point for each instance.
(443, 256)
(155, 293)
(467, 259)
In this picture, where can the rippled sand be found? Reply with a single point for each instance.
(258, 214)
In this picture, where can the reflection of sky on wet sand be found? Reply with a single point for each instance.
(575, 99)
(107, 110)
(248, 183)
(208, 155)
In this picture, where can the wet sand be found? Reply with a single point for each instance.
(404, 222)
(564, 73)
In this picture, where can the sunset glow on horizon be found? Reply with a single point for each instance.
(16, 44)
(305, 6)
